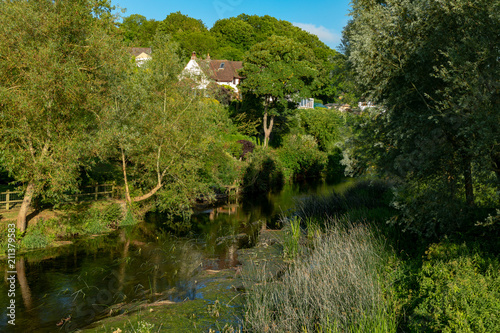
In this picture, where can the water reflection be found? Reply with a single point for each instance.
(69, 287)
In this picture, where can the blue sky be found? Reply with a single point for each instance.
(325, 18)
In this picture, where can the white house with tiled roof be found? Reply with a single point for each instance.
(222, 72)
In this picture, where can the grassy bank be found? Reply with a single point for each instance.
(53, 227)
(351, 271)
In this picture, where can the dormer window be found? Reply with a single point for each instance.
(221, 65)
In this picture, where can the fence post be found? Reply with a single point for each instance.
(96, 192)
(7, 198)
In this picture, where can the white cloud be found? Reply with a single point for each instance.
(325, 35)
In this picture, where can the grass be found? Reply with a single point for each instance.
(64, 223)
(336, 287)
(291, 246)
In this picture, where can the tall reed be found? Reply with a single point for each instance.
(335, 288)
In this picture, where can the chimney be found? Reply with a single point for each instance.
(193, 56)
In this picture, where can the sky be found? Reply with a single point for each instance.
(324, 18)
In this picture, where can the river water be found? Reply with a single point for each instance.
(142, 262)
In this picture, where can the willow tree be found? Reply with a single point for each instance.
(433, 67)
(162, 130)
(56, 61)
(279, 72)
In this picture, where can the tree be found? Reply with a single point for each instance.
(278, 72)
(163, 132)
(138, 31)
(191, 34)
(235, 33)
(56, 63)
(433, 67)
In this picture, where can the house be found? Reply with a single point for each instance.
(306, 103)
(141, 54)
(365, 105)
(222, 72)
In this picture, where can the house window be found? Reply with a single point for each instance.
(221, 65)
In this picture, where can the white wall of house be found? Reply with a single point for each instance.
(193, 71)
(231, 84)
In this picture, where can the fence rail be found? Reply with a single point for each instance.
(13, 199)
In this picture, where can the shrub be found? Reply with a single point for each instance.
(459, 291)
(263, 172)
(300, 157)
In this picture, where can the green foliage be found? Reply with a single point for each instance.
(291, 245)
(168, 137)
(325, 125)
(129, 219)
(94, 222)
(263, 172)
(459, 291)
(41, 235)
(300, 157)
(55, 74)
(276, 69)
(191, 34)
(138, 31)
(433, 68)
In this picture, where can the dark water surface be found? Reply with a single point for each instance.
(141, 262)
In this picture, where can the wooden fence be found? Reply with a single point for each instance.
(13, 199)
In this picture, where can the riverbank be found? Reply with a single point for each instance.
(54, 227)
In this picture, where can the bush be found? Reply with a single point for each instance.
(300, 157)
(263, 172)
(459, 291)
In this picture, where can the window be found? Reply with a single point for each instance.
(221, 65)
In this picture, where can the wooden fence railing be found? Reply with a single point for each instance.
(13, 199)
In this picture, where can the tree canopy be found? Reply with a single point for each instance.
(56, 68)
(277, 71)
(433, 69)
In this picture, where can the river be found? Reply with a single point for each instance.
(80, 281)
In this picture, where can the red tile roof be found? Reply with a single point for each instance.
(225, 70)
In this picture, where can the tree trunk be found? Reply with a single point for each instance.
(149, 194)
(124, 169)
(267, 129)
(25, 206)
(469, 186)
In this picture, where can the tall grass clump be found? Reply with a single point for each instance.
(337, 287)
(291, 245)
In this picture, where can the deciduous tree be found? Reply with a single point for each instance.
(279, 72)
(57, 59)
(433, 66)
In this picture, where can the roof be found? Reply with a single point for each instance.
(136, 51)
(225, 70)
